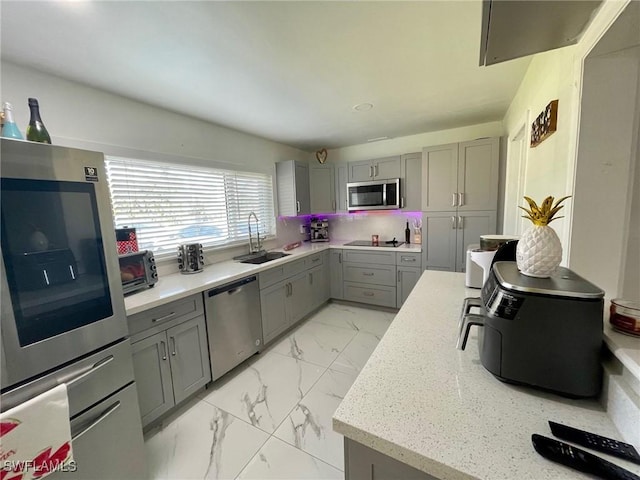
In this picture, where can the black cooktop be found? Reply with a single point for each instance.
(367, 243)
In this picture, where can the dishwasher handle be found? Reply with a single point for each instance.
(233, 287)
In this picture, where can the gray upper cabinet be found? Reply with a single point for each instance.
(341, 179)
(439, 177)
(411, 181)
(322, 188)
(478, 163)
(378, 169)
(293, 188)
(461, 176)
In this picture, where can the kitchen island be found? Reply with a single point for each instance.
(421, 404)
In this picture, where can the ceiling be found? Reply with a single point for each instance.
(287, 71)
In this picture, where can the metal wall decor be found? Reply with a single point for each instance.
(321, 155)
(545, 125)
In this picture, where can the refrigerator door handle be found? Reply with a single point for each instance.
(90, 371)
(97, 420)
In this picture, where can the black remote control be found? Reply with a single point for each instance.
(595, 442)
(578, 459)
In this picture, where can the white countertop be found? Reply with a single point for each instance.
(176, 286)
(424, 403)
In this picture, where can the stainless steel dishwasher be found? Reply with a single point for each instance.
(234, 324)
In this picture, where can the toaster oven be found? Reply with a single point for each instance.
(137, 271)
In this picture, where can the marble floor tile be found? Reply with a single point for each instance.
(309, 426)
(356, 318)
(201, 441)
(264, 393)
(279, 460)
(315, 343)
(356, 354)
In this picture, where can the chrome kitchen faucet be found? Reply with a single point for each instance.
(258, 246)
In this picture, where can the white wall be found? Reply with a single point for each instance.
(604, 170)
(414, 143)
(556, 167)
(550, 76)
(78, 115)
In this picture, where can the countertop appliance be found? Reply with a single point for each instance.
(319, 230)
(542, 332)
(234, 324)
(190, 258)
(62, 311)
(137, 271)
(374, 195)
(367, 243)
(473, 271)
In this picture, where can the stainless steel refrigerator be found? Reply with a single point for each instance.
(63, 317)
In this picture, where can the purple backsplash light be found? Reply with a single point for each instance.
(395, 213)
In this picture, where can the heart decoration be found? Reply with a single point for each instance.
(321, 155)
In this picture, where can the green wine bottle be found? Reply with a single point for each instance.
(36, 131)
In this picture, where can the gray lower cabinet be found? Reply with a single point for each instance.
(446, 237)
(170, 355)
(286, 302)
(335, 274)
(274, 310)
(170, 366)
(364, 463)
(407, 279)
(370, 277)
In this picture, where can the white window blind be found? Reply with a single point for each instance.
(170, 204)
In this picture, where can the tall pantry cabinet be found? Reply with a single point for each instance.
(459, 200)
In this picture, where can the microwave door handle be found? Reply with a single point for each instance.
(384, 194)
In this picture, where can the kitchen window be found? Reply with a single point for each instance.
(171, 204)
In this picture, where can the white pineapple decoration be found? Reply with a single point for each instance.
(539, 251)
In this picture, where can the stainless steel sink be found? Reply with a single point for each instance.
(257, 258)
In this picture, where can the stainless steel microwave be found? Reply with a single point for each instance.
(374, 195)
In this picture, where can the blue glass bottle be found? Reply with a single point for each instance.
(9, 128)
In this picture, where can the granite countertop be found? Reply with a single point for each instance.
(176, 286)
(424, 403)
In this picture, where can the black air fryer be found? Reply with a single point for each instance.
(542, 332)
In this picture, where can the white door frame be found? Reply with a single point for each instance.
(516, 176)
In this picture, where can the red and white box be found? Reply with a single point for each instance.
(126, 240)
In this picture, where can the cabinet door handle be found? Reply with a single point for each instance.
(370, 171)
(375, 170)
(460, 223)
(163, 318)
(164, 349)
(454, 200)
(461, 199)
(333, 206)
(173, 352)
(402, 202)
(340, 257)
(368, 294)
(453, 223)
(407, 259)
(297, 206)
(311, 279)
(314, 260)
(399, 273)
(367, 274)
